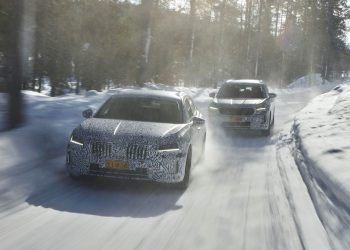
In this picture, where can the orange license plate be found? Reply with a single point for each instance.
(235, 119)
(117, 165)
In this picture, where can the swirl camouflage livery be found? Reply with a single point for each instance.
(139, 134)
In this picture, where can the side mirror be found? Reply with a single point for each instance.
(272, 95)
(212, 94)
(87, 113)
(198, 121)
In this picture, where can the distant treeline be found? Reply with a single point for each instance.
(198, 42)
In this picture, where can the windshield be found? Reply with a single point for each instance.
(141, 109)
(242, 92)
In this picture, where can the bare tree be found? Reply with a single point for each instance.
(16, 67)
(258, 47)
(192, 29)
(149, 7)
(248, 32)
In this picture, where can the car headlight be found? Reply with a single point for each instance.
(260, 110)
(169, 147)
(78, 140)
(214, 106)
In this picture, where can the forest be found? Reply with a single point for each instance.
(101, 43)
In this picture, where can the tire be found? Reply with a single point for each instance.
(81, 178)
(75, 177)
(186, 180)
(273, 120)
(268, 132)
(203, 148)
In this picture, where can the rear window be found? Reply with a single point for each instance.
(142, 109)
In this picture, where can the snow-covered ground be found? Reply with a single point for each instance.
(311, 81)
(243, 196)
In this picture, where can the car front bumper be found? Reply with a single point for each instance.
(253, 122)
(160, 166)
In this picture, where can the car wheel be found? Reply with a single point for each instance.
(75, 177)
(273, 120)
(186, 180)
(268, 131)
(203, 148)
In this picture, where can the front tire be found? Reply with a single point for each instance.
(186, 180)
(268, 132)
(75, 177)
(203, 148)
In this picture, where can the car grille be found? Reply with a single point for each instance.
(237, 111)
(136, 152)
(102, 149)
(138, 173)
(236, 124)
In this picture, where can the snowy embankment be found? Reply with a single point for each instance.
(322, 131)
(311, 81)
(49, 121)
(319, 143)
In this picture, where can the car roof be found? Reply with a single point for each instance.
(176, 95)
(245, 81)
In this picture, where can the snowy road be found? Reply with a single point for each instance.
(236, 200)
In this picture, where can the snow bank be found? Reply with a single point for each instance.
(310, 228)
(322, 131)
(307, 81)
(49, 122)
(317, 149)
(313, 81)
(91, 93)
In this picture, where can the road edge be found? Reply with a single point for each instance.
(310, 229)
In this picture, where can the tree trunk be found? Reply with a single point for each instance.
(16, 65)
(148, 10)
(248, 34)
(192, 35)
(258, 47)
(222, 40)
(277, 17)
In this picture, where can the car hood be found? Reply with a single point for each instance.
(120, 128)
(244, 102)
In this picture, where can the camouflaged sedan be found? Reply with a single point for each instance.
(139, 134)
